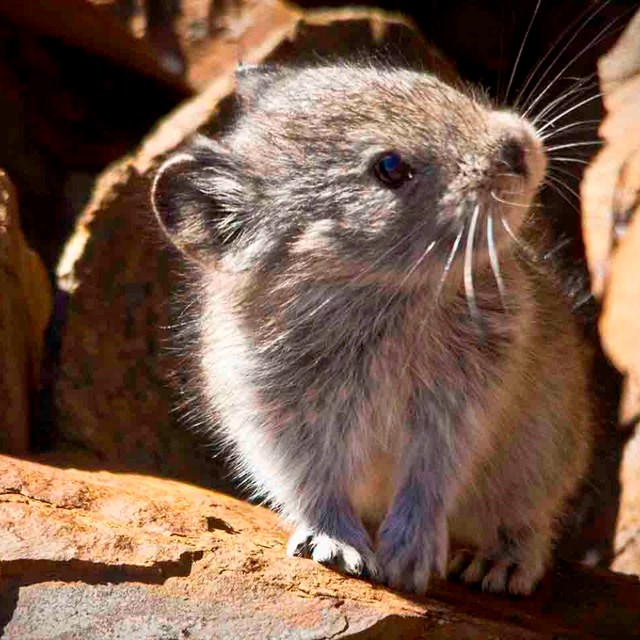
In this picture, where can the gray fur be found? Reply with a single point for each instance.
(360, 391)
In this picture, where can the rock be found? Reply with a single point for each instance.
(612, 201)
(212, 35)
(112, 396)
(611, 223)
(92, 31)
(70, 106)
(25, 307)
(103, 555)
(627, 539)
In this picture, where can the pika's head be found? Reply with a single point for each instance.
(343, 166)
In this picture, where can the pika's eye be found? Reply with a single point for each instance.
(392, 170)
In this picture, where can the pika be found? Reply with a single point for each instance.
(388, 370)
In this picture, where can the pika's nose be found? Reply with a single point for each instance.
(518, 150)
(514, 155)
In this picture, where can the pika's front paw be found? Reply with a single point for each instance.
(410, 554)
(361, 561)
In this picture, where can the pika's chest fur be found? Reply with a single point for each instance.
(364, 372)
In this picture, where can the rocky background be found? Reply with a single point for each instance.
(101, 536)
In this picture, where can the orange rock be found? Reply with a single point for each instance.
(25, 307)
(619, 73)
(96, 554)
(611, 223)
(610, 196)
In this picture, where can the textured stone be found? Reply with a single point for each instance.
(103, 555)
(25, 307)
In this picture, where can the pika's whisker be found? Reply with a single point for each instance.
(572, 145)
(574, 193)
(580, 124)
(468, 265)
(528, 251)
(524, 40)
(592, 43)
(409, 273)
(550, 50)
(555, 183)
(363, 273)
(561, 159)
(580, 302)
(566, 112)
(565, 172)
(449, 262)
(494, 261)
(512, 204)
(557, 249)
(564, 100)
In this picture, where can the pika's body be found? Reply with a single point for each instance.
(388, 371)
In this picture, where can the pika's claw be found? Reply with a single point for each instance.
(328, 551)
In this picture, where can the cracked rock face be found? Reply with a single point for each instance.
(93, 554)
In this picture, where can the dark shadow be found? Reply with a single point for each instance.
(19, 573)
(26, 572)
(394, 628)
(59, 133)
(590, 529)
(8, 602)
(573, 600)
(571, 603)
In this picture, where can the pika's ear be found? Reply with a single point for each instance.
(252, 80)
(198, 199)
